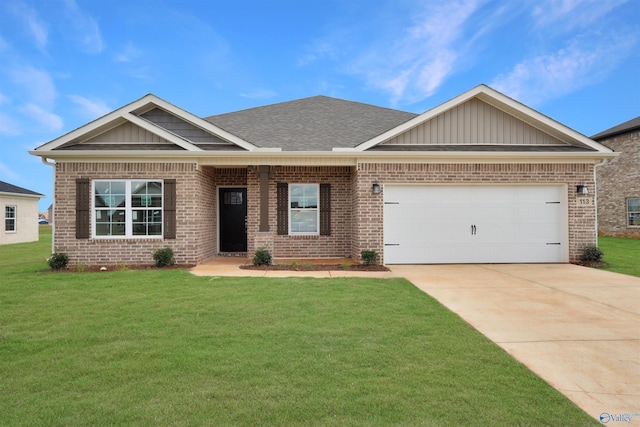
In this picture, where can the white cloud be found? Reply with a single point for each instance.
(36, 28)
(37, 83)
(83, 28)
(51, 121)
(8, 126)
(8, 174)
(91, 108)
(320, 49)
(572, 13)
(414, 66)
(259, 94)
(128, 54)
(584, 61)
(4, 45)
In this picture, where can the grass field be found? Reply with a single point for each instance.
(622, 255)
(140, 348)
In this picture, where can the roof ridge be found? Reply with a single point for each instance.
(306, 99)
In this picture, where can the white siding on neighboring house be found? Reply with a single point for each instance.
(26, 222)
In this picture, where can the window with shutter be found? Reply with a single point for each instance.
(304, 209)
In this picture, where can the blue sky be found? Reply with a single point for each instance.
(64, 63)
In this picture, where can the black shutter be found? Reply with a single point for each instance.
(282, 203)
(169, 208)
(325, 209)
(83, 205)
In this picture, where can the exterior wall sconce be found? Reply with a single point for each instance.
(582, 190)
(375, 188)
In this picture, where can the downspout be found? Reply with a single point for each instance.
(53, 210)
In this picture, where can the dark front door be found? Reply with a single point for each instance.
(233, 218)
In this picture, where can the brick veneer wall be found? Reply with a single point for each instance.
(196, 237)
(367, 224)
(617, 180)
(338, 244)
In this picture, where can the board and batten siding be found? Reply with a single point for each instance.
(127, 133)
(474, 122)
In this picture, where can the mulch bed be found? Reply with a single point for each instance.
(315, 267)
(596, 264)
(106, 268)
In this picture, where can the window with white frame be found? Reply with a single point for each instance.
(633, 212)
(10, 218)
(304, 213)
(127, 208)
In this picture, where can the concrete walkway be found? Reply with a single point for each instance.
(230, 267)
(577, 328)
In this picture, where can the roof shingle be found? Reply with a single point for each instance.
(5, 187)
(318, 123)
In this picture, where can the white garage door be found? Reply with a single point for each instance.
(474, 224)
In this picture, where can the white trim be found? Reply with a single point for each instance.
(317, 210)
(128, 208)
(15, 218)
(125, 113)
(500, 101)
(26, 196)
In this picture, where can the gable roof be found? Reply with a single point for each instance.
(6, 188)
(626, 127)
(321, 130)
(134, 114)
(485, 94)
(318, 123)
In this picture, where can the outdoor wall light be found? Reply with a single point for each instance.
(375, 188)
(582, 189)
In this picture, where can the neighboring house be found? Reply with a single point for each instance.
(478, 179)
(20, 214)
(619, 181)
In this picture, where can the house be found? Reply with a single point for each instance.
(20, 214)
(478, 179)
(619, 181)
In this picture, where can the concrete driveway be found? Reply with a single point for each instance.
(575, 327)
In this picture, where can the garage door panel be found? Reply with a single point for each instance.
(474, 224)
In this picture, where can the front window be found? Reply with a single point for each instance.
(127, 208)
(633, 212)
(303, 209)
(9, 218)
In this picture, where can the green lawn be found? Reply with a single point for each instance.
(140, 348)
(622, 255)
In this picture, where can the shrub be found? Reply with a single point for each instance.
(369, 257)
(262, 256)
(592, 254)
(58, 260)
(163, 257)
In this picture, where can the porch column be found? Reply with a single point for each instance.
(264, 173)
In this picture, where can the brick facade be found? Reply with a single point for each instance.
(356, 213)
(619, 179)
(196, 238)
(367, 234)
(336, 245)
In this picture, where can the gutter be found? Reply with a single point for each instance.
(331, 158)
